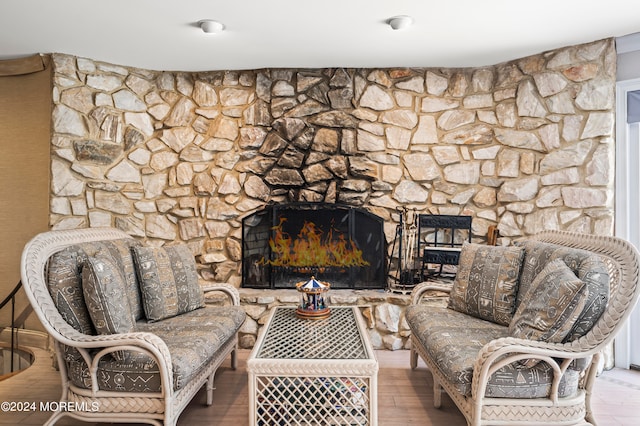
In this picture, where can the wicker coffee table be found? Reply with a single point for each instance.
(313, 372)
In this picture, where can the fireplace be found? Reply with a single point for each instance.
(285, 244)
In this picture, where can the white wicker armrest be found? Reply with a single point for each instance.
(145, 342)
(500, 352)
(228, 289)
(139, 340)
(419, 291)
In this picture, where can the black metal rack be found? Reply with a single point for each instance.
(440, 239)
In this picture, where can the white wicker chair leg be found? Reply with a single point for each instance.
(590, 379)
(234, 359)
(210, 389)
(54, 418)
(437, 393)
(414, 359)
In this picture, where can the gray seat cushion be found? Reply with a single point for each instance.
(193, 339)
(453, 340)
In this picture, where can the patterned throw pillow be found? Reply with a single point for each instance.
(168, 281)
(487, 282)
(64, 279)
(104, 288)
(552, 306)
(587, 266)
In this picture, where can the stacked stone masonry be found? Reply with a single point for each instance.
(168, 157)
(383, 313)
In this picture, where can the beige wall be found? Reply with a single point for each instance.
(25, 116)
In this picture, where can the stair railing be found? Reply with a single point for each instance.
(14, 330)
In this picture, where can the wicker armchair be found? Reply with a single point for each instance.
(160, 404)
(481, 407)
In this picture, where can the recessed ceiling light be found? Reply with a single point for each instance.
(400, 22)
(210, 26)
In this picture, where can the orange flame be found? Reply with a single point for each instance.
(311, 249)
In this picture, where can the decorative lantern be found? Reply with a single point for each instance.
(313, 299)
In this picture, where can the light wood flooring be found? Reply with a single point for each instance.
(404, 396)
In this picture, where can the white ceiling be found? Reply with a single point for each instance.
(163, 34)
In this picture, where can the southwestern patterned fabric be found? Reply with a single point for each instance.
(585, 265)
(556, 298)
(103, 286)
(517, 381)
(453, 340)
(195, 337)
(192, 338)
(487, 282)
(65, 287)
(103, 274)
(168, 281)
(65, 280)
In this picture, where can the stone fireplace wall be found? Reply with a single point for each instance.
(525, 145)
(172, 156)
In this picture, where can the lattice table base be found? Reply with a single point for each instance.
(313, 372)
(312, 401)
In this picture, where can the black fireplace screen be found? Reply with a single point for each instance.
(285, 244)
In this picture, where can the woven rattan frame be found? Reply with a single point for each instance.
(94, 405)
(298, 382)
(622, 262)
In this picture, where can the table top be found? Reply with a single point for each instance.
(340, 336)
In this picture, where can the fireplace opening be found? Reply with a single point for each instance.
(285, 244)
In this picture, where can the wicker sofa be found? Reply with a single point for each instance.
(133, 337)
(519, 335)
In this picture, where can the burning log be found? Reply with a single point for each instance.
(313, 248)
